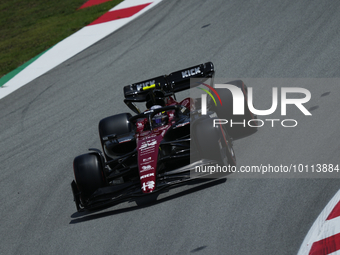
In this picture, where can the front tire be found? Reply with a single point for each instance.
(89, 175)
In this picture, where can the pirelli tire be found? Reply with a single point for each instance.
(213, 142)
(89, 175)
(226, 111)
(114, 125)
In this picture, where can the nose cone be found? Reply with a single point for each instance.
(148, 186)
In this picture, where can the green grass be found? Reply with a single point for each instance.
(29, 27)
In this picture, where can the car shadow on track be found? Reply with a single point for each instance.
(148, 201)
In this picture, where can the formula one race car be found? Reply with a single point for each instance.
(159, 147)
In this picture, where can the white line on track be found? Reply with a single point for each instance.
(71, 46)
(322, 228)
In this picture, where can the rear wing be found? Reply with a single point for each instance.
(180, 80)
(170, 84)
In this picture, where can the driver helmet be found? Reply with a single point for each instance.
(160, 118)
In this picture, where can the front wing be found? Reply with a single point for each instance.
(115, 194)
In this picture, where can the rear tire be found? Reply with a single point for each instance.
(226, 111)
(213, 142)
(114, 125)
(89, 175)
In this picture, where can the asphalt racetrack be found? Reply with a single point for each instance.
(48, 122)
